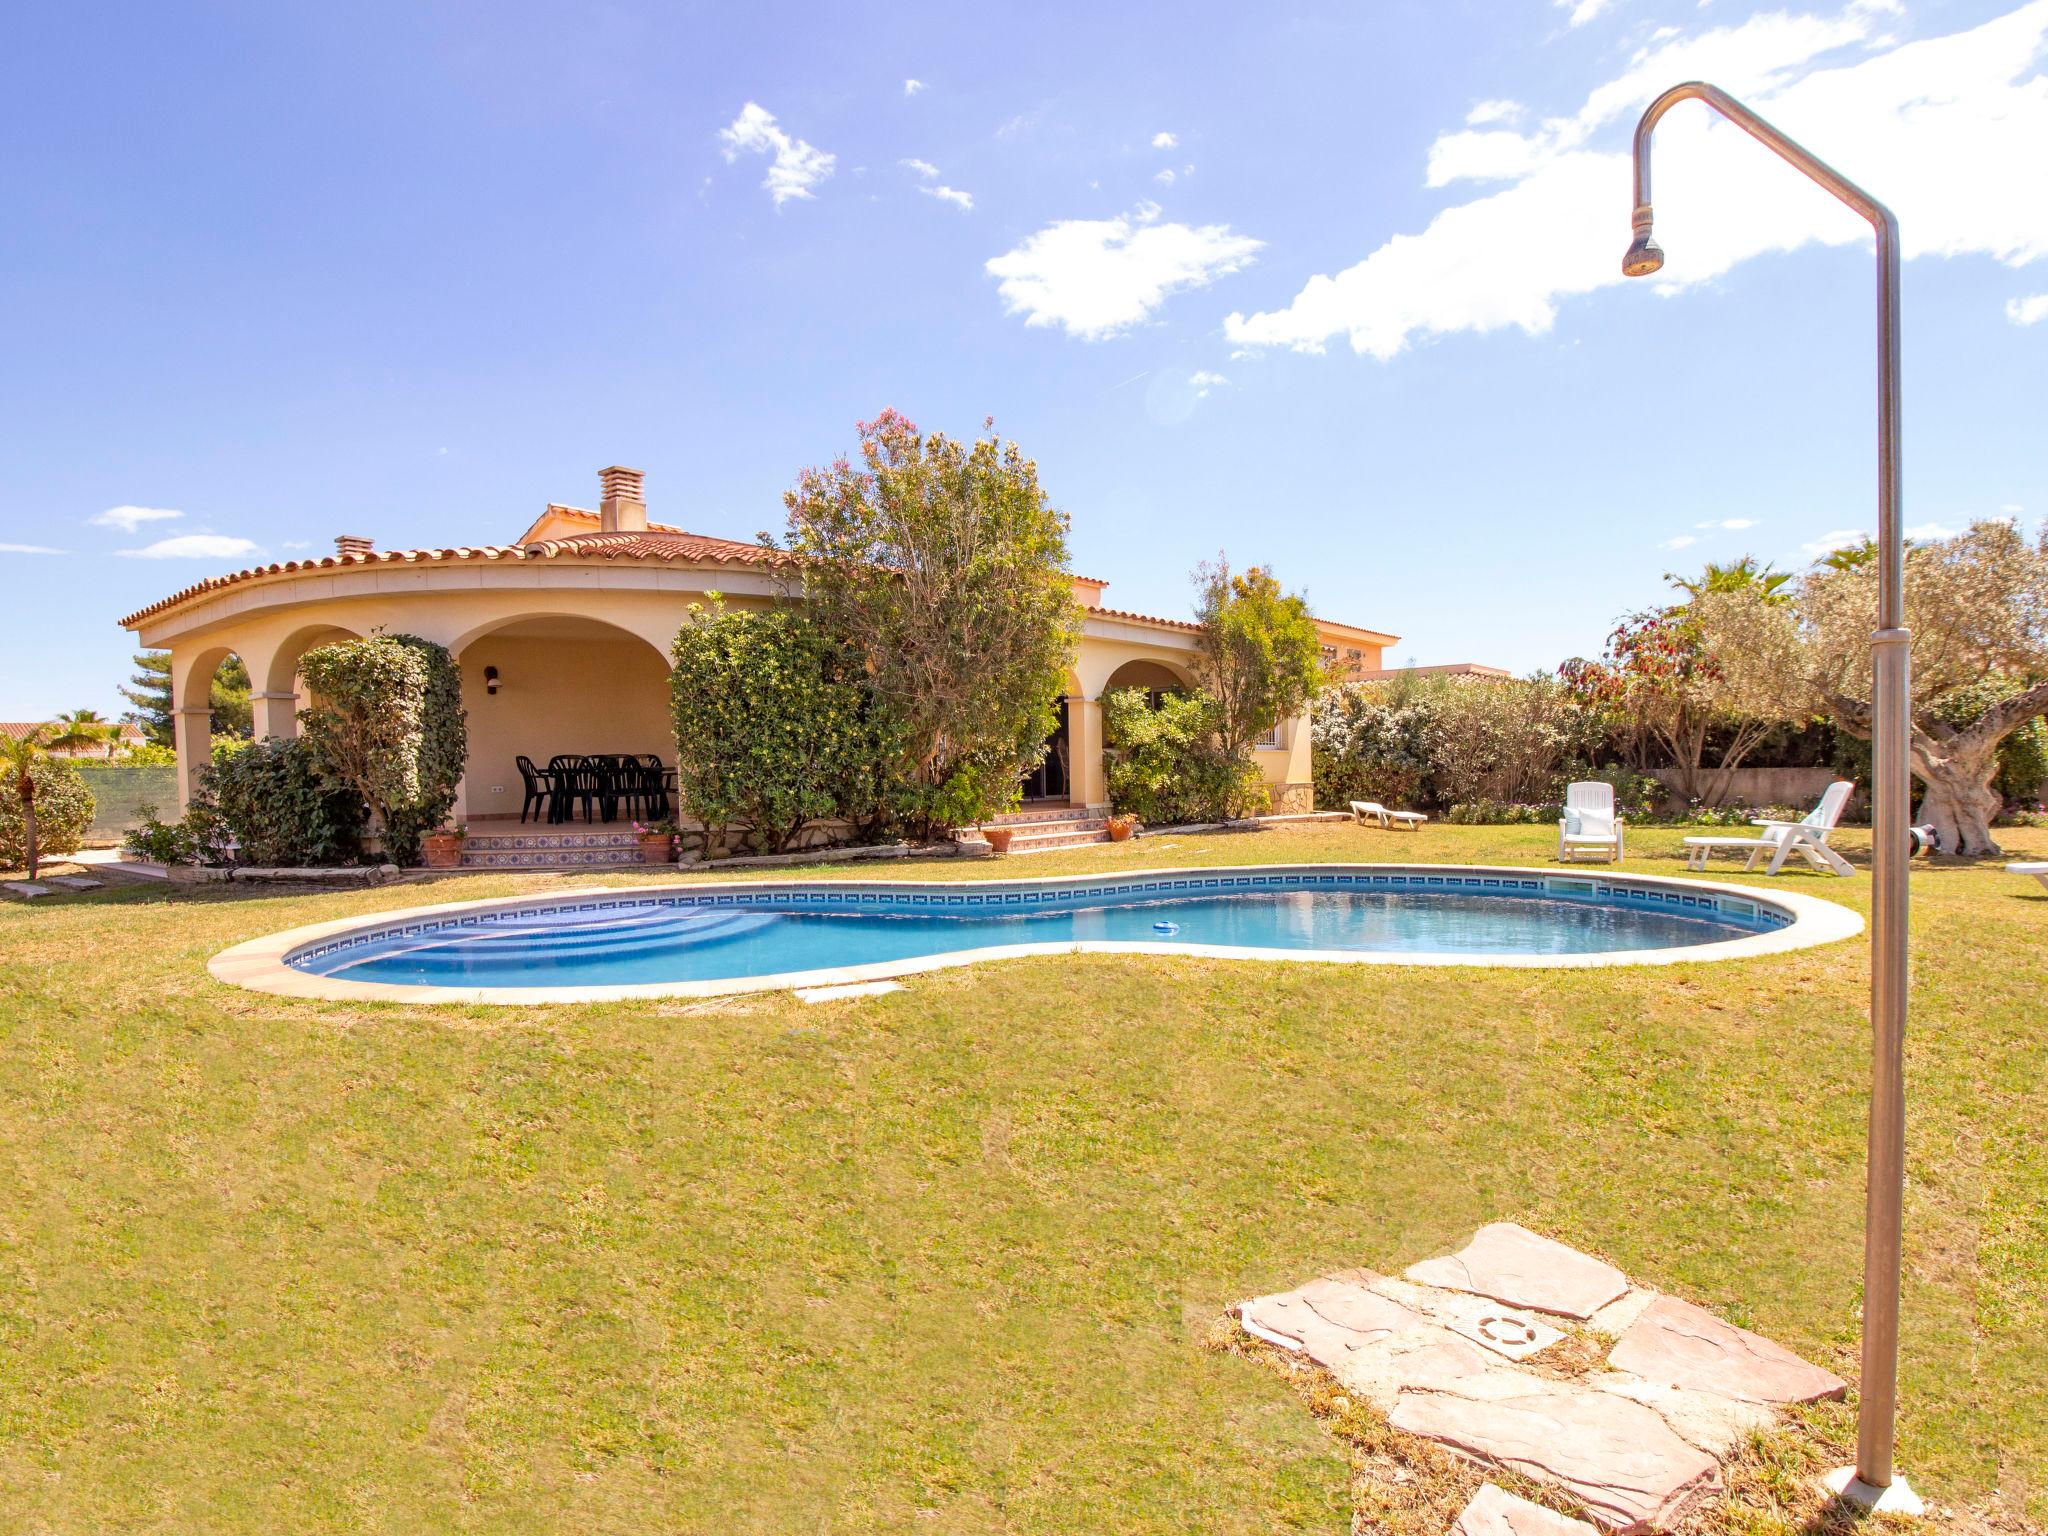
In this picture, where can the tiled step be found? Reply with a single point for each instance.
(1060, 829)
(544, 847)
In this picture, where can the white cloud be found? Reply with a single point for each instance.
(964, 201)
(193, 546)
(1834, 539)
(1204, 381)
(128, 519)
(1498, 110)
(1680, 541)
(1926, 531)
(29, 549)
(923, 168)
(912, 87)
(2012, 508)
(2027, 311)
(1096, 277)
(1165, 177)
(1164, 141)
(795, 167)
(1732, 524)
(1582, 11)
(1934, 124)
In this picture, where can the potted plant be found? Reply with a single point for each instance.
(1121, 827)
(998, 838)
(443, 847)
(657, 841)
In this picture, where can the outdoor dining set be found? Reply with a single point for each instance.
(603, 783)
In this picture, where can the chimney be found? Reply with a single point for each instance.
(353, 544)
(624, 508)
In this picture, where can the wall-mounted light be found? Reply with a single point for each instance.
(490, 679)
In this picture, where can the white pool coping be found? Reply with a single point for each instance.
(260, 964)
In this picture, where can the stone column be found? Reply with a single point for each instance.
(193, 733)
(1084, 752)
(277, 714)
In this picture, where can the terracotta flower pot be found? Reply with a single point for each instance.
(1121, 827)
(999, 837)
(657, 848)
(442, 850)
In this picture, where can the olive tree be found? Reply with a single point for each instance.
(943, 567)
(1977, 607)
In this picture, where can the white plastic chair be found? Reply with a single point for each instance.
(1807, 837)
(2035, 868)
(1589, 823)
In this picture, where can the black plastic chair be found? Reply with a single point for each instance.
(540, 789)
(654, 786)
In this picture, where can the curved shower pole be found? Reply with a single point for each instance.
(1872, 1481)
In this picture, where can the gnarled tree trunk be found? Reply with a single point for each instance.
(1959, 802)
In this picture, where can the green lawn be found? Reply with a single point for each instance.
(943, 1260)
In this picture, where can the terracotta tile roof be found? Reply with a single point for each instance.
(655, 544)
(1142, 618)
(17, 730)
(659, 544)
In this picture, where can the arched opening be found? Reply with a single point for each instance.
(282, 693)
(1155, 677)
(543, 686)
(1052, 780)
(210, 703)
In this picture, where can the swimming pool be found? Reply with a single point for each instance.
(680, 939)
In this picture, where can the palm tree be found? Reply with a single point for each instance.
(77, 728)
(20, 756)
(1737, 576)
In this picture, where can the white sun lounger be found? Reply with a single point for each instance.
(1371, 813)
(1589, 824)
(1780, 839)
(2036, 868)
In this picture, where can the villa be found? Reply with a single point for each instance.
(563, 636)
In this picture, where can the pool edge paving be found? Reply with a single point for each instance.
(263, 964)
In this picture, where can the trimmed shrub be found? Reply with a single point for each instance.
(1163, 764)
(280, 808)
(389, 726)
(64, 809)
(773, 726)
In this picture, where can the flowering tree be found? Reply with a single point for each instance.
(1723, 667)
(1977, 606)
(943, 566)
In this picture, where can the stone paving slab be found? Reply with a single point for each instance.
(74, 882)
(1450, 1359)
(1514, 1265)
(1619, 1459)
(1496, 1512)
(23, 890)
(1677, 1344)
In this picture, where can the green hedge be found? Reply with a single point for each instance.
(281, 810)
(1163, 764)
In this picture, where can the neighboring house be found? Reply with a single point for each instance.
(563, 640)
(1379, 674)
(131, 736)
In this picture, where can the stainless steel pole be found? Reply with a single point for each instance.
(1873, 1480)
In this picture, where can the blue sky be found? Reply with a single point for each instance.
(1333, 288)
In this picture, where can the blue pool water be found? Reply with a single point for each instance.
(627, 939)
